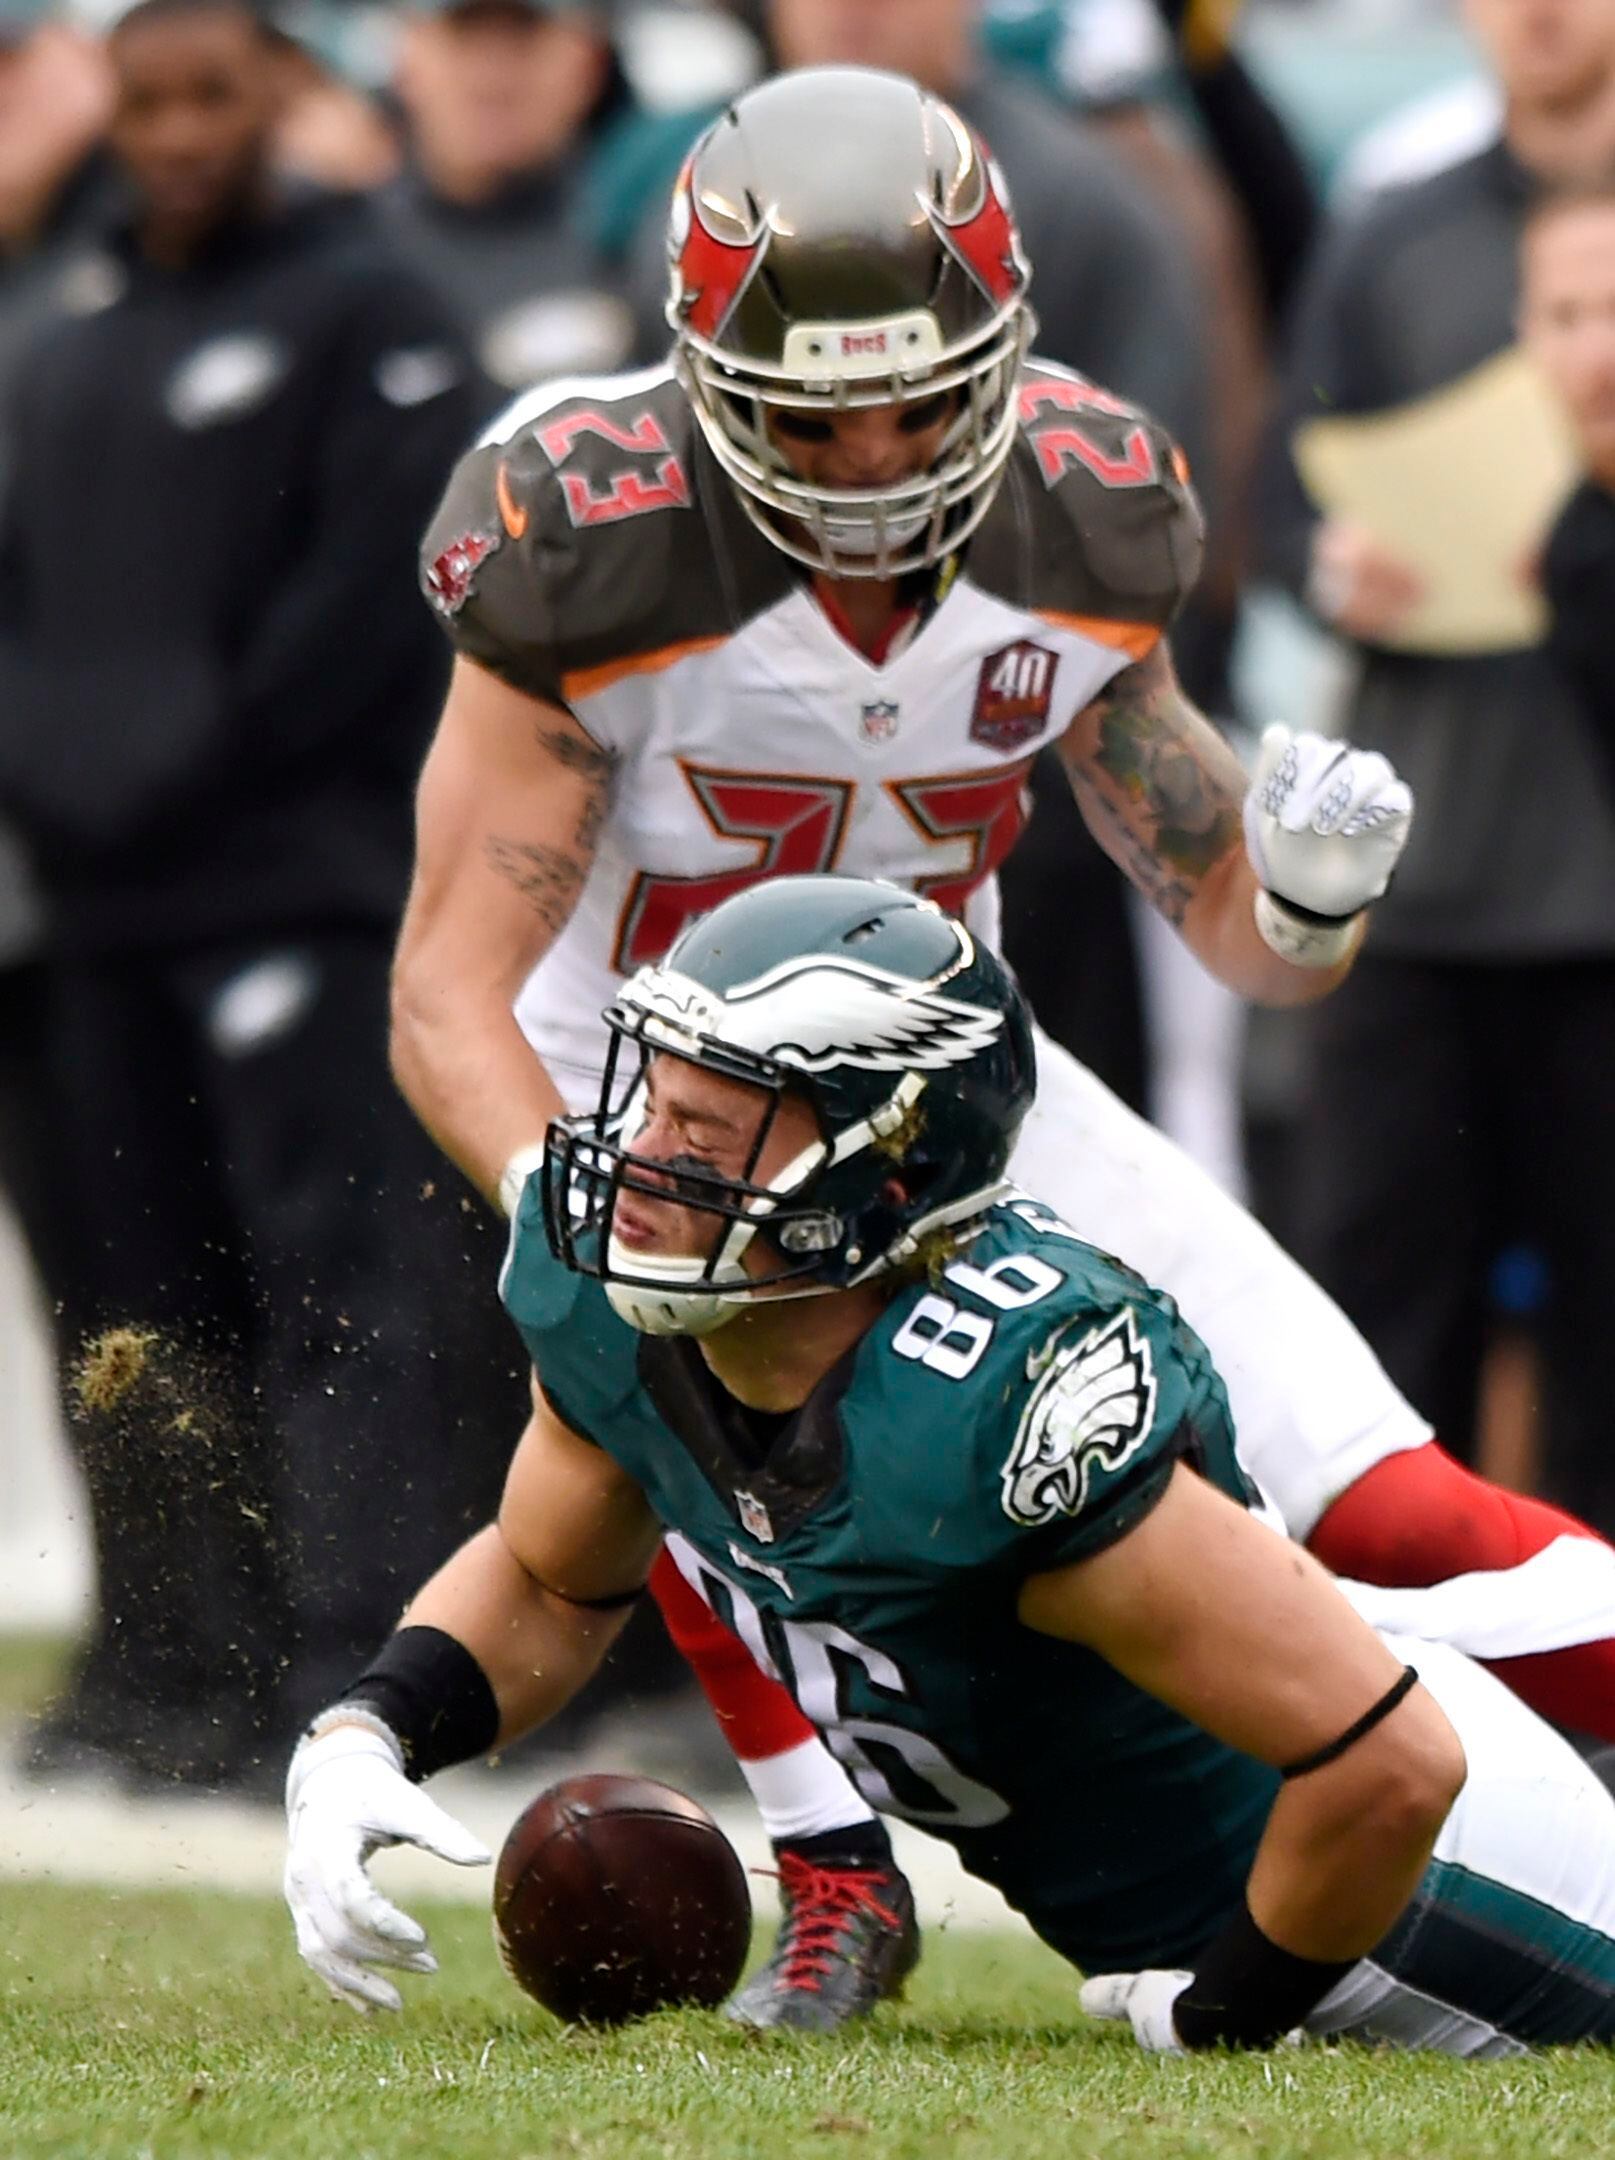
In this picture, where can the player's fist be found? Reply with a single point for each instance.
(346, 1797)
(1324, 826)
(1145, 1999)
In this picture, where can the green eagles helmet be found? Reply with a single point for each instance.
(909, 1041)
(840, 238)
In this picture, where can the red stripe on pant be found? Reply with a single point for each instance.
(1420, 1517)
(755, 1714)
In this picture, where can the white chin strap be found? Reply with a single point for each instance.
(673, 1310)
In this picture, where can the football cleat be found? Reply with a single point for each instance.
(848, 1940)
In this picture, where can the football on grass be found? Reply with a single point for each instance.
(617, 1896)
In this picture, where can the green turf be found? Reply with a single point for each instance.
(163, 2025)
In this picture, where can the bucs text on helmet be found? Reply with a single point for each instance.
(841, 238)
(909, 1042)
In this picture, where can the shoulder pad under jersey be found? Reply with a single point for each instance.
(1097, 520)
(566, 543)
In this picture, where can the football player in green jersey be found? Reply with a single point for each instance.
(969, 1487)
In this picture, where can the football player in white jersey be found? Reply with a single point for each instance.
(811, 598)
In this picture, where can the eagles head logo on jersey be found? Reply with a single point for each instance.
(1092, 1409)
(908, 1044)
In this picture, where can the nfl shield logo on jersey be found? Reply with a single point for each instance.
(1013, 695)
(754, 1518)
(877, 722)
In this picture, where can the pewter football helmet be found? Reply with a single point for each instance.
(841, 238)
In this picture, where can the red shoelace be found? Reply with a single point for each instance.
(821, 1902)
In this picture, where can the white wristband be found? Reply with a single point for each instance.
(516, 1173)
(1303, 943)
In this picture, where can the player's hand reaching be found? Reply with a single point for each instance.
(346, 1797)
(1145, 1999)
(1324, 826)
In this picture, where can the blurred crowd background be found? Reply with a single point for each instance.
(262, 276)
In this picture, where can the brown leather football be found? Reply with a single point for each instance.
(616, 1896)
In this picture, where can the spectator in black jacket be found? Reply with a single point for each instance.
(1568, 314)
(502, 100)
(54, 99)
(215, 686)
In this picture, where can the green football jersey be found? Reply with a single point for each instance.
(1022, 1410)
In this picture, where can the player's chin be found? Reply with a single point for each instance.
(649, 1231)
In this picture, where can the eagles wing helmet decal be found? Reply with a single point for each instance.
(820, 1013)
(1092, 1408)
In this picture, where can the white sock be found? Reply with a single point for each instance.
(805, 1791)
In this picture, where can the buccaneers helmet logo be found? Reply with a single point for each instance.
(710, 273)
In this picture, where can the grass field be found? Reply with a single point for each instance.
(158, 2026)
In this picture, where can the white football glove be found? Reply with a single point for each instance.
(1145, 1999)
(346, 1797)
(1324, 826)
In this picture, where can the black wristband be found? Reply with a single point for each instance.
(1247, 1992)
(434, 1695)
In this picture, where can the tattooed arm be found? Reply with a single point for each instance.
(509, 810)
(1161, 792)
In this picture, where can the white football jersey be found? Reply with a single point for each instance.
(591, 552)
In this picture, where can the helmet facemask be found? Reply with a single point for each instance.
(821, 1228)
(840, 239)
(590, 1163)
(878, 532)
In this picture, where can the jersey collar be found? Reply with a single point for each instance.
(801, 1467)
